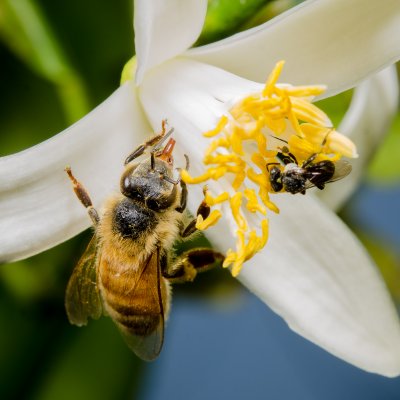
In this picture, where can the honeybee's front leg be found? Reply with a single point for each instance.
(83, 196)
(151, 142)
(203, 210)
(186, 266)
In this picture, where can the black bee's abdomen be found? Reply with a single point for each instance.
(132, 219)
(320, 173)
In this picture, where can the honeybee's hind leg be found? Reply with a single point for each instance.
(83, 196)
(187, 265)
(151, 142)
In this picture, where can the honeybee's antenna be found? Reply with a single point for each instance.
(158, 146)
(152, 161)
(170, 180)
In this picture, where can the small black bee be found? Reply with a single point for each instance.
(297, 178)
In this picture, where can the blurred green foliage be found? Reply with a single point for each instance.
(60, 59)
(385, 166)
(227, 17)
(37, 46)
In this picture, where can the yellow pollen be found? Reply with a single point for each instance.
(263, 132)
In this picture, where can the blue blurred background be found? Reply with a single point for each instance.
(221, 341)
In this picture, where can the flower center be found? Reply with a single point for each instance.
(270, 142)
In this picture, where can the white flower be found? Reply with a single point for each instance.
(313, 272)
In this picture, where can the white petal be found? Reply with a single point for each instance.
(315, 274)
(373, 106)
(191, 90)
(332, 42)
(192, 96)
(38, 208)
(164, 29)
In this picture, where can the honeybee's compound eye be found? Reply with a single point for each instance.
(130, 190)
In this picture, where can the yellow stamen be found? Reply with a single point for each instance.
(221, 142)
(242, 150)
(253, 205)
(305, 91)
(307, 112)
(236, 141)
(272, 79)
(341, 144)
(211, 201)
(302, 148)
(218, 172)
(236, 202)
(229, 258)
(212, 219)
(263, 193)
(240, 255)
(221, 125)
(187, 178)
(315, 134)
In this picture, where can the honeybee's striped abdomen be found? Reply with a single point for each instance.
(131, 295)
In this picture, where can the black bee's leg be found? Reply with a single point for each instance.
(309, 160)
(272, 163)
(186, 266)
(203, 210)
(83, 197)
(151, 142)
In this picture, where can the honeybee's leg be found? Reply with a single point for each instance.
(83, 196)
(184, 195)
(203, 210)
(151, 142)
(186, 267)
(184, 191)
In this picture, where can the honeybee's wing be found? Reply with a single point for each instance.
(145, 335)
(82, 298)
(342, 169)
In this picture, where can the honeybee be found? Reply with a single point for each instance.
(127, 268)
(297, 178)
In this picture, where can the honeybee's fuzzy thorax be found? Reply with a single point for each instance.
(132, 230)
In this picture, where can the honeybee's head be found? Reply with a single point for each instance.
(151, 181)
